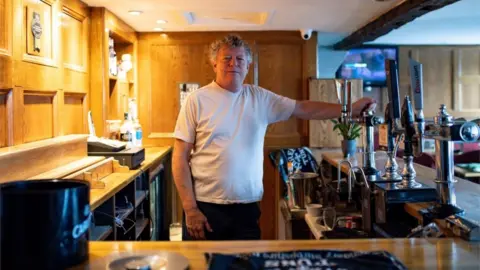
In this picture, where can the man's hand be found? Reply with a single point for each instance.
(196, 223)
(363, 104)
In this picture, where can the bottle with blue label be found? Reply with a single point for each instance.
(138, 133)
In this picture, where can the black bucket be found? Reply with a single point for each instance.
(44, 224)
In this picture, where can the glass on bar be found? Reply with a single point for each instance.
(176, 232)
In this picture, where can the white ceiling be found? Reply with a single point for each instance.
(334, 16)
(455, 24)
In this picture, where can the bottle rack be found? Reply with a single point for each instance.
(125, 216)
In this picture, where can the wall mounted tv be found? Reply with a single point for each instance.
(368, 64)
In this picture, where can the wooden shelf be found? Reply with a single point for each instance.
(123, 213)
(69, 168)
(139, 197)
(100, 233)
(140, 226)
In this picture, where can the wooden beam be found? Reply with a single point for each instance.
(403, 13)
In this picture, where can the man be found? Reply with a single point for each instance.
(218, 151)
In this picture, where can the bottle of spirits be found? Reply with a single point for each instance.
(126, 129)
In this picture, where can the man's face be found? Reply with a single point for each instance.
(231, 65)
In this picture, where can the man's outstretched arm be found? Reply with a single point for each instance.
(317, 110)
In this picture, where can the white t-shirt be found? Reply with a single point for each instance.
(228, 132)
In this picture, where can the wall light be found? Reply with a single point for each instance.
(158, 29)
(135, 12)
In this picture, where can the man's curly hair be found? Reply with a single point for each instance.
(231, 41)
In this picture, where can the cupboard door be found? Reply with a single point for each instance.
(280, 71)
(466, 79)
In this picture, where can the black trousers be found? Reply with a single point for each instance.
(229, 221)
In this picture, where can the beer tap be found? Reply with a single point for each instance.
(412, 126)
(416, 83)
(344, 94)
(408, 172)
(370, 121)
(392, 118)
(445, 132)
(391, 166)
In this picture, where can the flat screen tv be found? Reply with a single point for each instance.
(368, 64)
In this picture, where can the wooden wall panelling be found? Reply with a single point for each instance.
(175, 64)
(38, 116)
(74, 21)
(466, 82)
(99, 78)
(451, 77)
(74, 116)
(33, 99)
(38, 68)
(6, 41)
(33, 69)
(15, 111)
(3, 118)
(321, 131)
(272, 60)
(437, 75)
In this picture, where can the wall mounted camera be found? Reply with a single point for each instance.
(306, 33)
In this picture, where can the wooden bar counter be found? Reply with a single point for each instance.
(116, 181)
(413, 253)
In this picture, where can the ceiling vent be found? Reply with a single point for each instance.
(227, 18)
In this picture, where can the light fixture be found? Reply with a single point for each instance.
(135, 12)
(126, 64)
(158, 29)
(161, 21)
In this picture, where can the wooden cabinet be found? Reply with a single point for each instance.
(110, 94)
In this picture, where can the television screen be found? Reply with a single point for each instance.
(367, 64)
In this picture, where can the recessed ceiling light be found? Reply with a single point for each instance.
(158, 29)
(161, 21)
(135, 12)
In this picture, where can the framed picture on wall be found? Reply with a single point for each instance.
(38, 34)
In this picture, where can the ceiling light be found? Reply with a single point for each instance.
(161, 21)
(135, 12)
(158, 29)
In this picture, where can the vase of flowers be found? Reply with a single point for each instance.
(349, 132)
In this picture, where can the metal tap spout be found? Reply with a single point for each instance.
(349, 183)
(363, 175)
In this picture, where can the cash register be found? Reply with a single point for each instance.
(121, 151)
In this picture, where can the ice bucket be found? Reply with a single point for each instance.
(44, 224)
